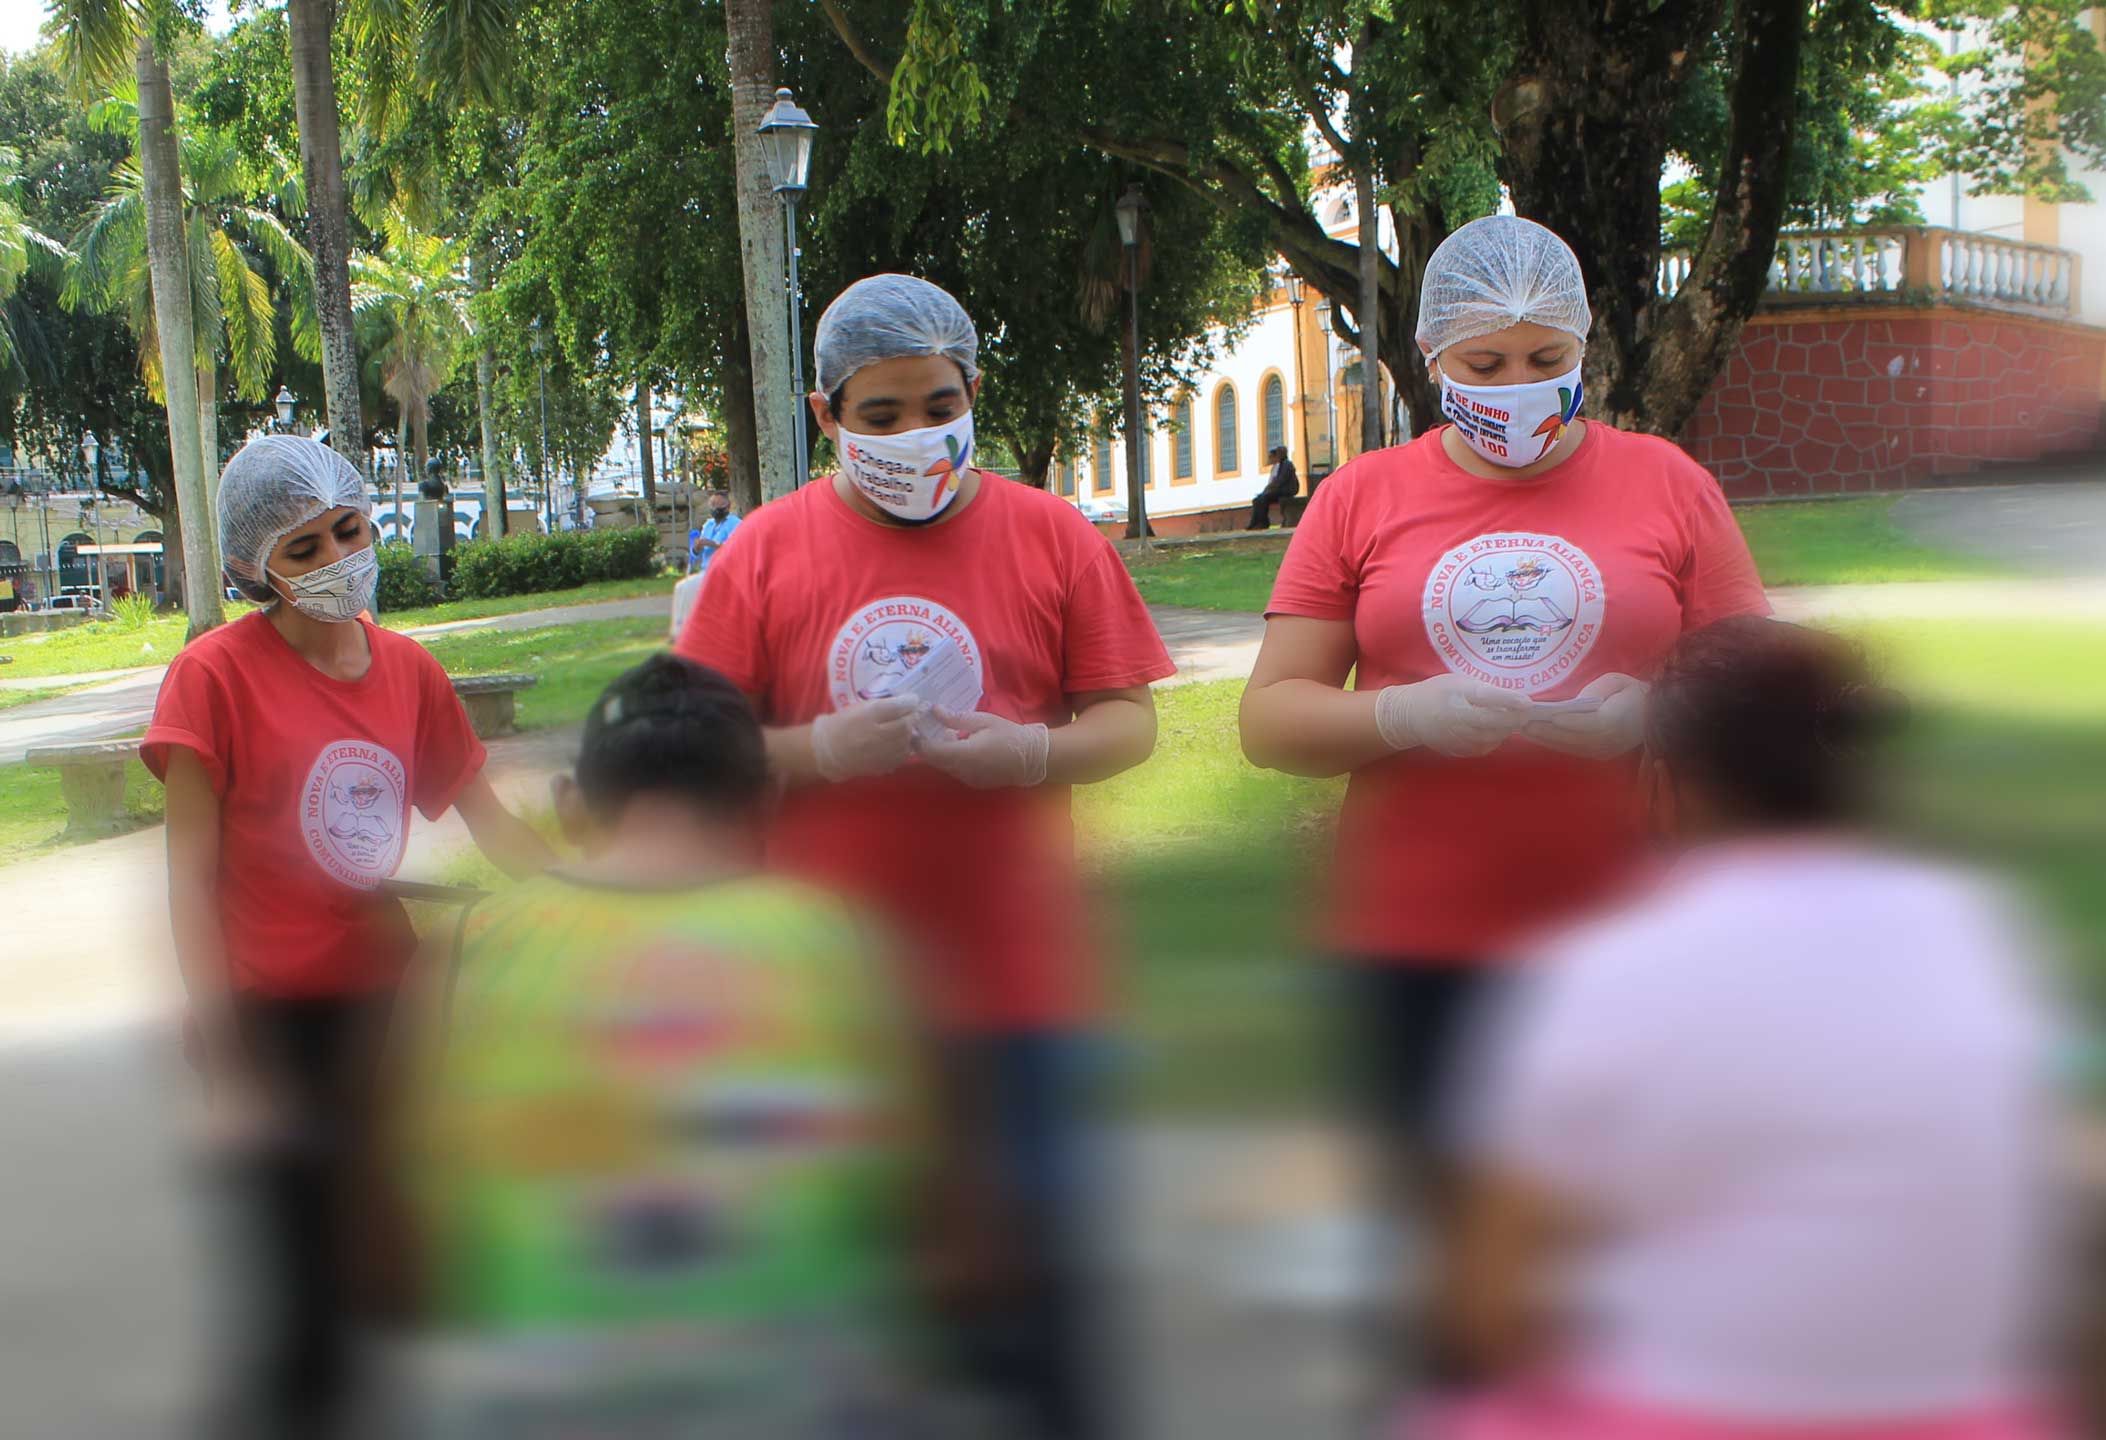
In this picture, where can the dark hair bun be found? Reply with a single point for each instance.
(1776, 720)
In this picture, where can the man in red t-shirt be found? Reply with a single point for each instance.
(939, 654)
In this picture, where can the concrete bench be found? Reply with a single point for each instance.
(488, 700)
(91, 777)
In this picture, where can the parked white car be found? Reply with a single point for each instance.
(1103, 509)
(72, 605)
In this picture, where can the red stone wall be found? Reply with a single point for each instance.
(1832, 401)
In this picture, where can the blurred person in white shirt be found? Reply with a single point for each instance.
(1767, 1152)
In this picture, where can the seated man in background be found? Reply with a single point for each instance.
(659, 1143)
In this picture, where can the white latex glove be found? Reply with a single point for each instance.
(1617, 728)
(993, 753)
(873, 738)
(1449, 714)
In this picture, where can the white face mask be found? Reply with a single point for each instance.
(913, 475)
(336, 592)
(1512, 425)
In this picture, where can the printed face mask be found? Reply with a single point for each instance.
(1512, 425)
(337, 592)
(913, 475)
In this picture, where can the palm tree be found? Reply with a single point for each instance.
(22, 246)
(411, 301)
(95, 40)
(231, 308)
(460, 53)
(311, 24)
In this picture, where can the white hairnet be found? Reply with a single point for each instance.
(273, 486)
(883, 317)
(1496, 272)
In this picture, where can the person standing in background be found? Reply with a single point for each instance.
(702, 543)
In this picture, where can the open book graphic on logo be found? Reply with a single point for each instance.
(1518, 607)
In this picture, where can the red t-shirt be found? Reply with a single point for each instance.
(818, 605)
(1540, 586)
(315, 778)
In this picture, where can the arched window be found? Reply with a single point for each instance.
(1227, 459)
(1274, 406)
(9, 553)
(1181, 440)
(1103, 458)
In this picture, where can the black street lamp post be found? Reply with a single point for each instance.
(788, 132)
(1129, 210)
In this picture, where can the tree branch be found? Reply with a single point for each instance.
(1730, 270)
(838, 18)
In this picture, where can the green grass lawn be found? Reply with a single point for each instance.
(33, 812)
(108, 645)
(593, 594)
(1209, 868)
(105, 645)
(11, 698)
(1845, 542)
(574, 662)
(1832, 542)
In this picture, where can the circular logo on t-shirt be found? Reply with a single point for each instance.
(1514, 609)
(353, 814)
(882, 642)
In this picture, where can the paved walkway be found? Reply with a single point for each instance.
(2051, 529)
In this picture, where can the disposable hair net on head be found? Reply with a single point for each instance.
(273, 486)
(884, 317)
(1496, 272)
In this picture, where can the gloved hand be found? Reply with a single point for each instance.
(1617, 728)
(1450, 715)
(993, 753)
(873, 738)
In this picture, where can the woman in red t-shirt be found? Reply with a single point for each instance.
(293, 743)
(1499, 590)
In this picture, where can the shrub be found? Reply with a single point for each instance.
(404, 582)
(133, 612)
(530, 564)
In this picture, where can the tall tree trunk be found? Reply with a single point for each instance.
(751, 57)
(1034, 463)
(741, 441)
(168, 258)
(648, 469)
(172, 568)
(420, 440)
(328, 219)
(1367, 313)
(494, 516)
(1584, 122)
(208, 426)
(493, 470)
(1418, 236)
